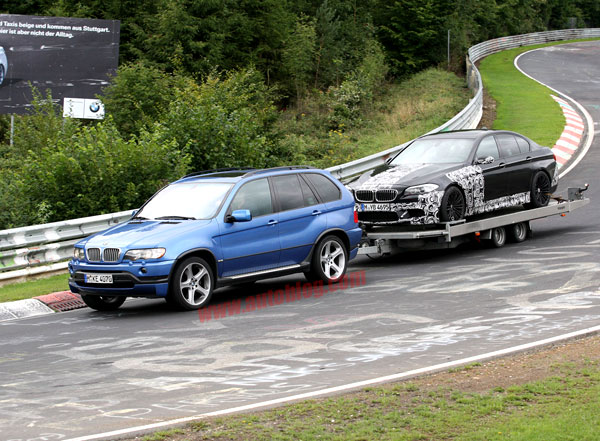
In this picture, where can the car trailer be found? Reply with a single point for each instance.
(385, 240)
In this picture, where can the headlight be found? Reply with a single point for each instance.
(421, 189)
(148, 253)
(78, 253)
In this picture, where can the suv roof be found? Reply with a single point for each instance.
(235, 174)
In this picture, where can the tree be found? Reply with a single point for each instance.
(299, 55)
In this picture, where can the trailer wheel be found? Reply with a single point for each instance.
(519, 232)
(453, 205)
(498, 237)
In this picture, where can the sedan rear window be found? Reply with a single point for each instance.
(435, 151)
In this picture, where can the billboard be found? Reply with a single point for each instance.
(73, 57)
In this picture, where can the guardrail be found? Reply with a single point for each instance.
(24, 250)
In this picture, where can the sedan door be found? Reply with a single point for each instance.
(251, 246)
(517, 159)
(495, 183)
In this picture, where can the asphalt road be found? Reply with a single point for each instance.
(85, 372)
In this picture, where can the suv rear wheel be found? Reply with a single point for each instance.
(329, 261)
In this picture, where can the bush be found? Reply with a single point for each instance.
(96, 172)
(139, 94)
(224, 122)
(360, 88)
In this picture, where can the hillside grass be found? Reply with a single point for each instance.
(400, 112)
(523, 105)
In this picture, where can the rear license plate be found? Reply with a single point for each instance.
(375, 207)
(98, 278)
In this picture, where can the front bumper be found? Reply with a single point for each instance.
(130, 279)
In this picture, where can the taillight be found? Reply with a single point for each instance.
(355, 216)
(554, 154)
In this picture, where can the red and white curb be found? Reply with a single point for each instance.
(570, 139)
(41, 305)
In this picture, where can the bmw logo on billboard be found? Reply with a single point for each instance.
(83, 108)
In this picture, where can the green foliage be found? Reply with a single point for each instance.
(64, 169)
(359, 88)
(139, 95)
(42, 127)
(413, 33)
(225, 121)
(299, 53)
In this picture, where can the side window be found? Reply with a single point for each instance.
(487, 147)
(523, 144)
(327, 190)
(289, 194)
(508, 145)
(254, 196)
(309, 196)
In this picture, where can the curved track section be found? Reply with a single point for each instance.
(82, 372)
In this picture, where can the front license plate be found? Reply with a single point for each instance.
(98, 278)
(375, 207)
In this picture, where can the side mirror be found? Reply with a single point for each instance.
(239, 216)
(134, 212)
(488, 160)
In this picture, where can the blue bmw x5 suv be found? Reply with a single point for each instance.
(217, 228)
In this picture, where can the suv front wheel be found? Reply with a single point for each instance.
(192, 284)
(329, 261)
(103, 303)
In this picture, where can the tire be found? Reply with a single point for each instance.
(540, 190)
(453, 205)
(498, 237)
(2, 74)
(103, 303)
(329, 261)
(519, 232)
(192, 284)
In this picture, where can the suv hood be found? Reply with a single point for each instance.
(145, 234)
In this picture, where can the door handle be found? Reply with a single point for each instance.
(272, 222)
(501, 164)
(529, 158)
(316, 213)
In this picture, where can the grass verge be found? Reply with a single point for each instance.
(552, 394)
(33, 288)
(523, 105)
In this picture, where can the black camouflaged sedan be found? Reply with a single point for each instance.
(451, 175)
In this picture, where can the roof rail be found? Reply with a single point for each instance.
(217, 170)
(287, 167)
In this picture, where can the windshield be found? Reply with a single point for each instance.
(435, 151)
(189, 200)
